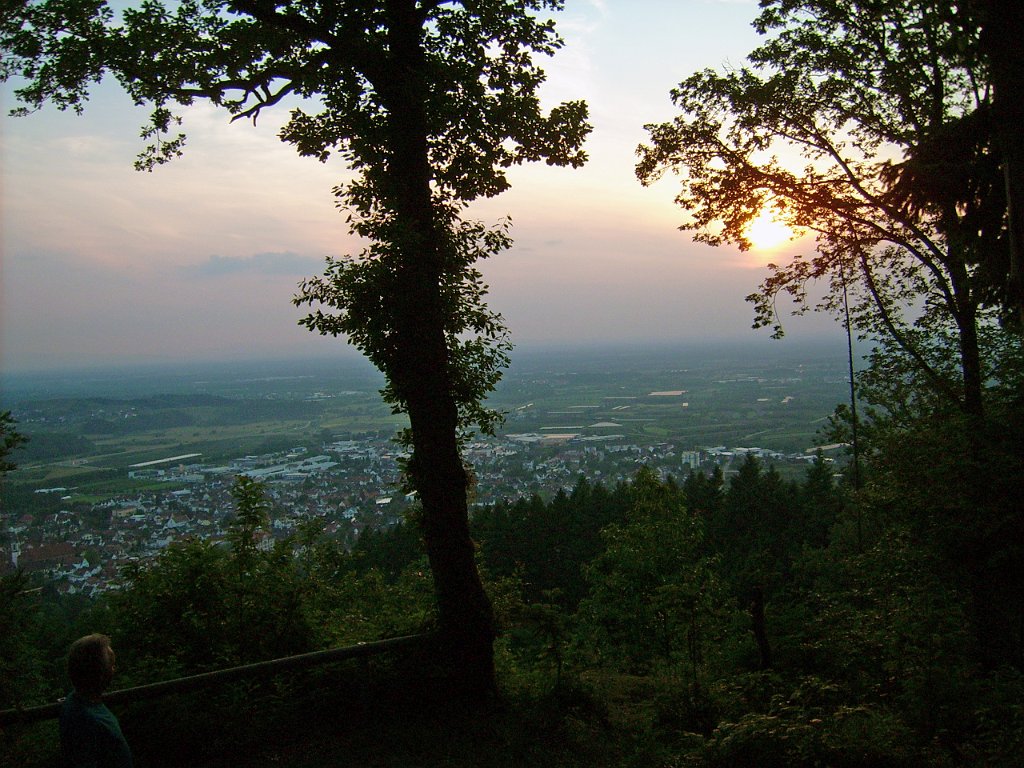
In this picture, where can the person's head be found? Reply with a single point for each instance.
(91, 664)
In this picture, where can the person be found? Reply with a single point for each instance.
(90, 735)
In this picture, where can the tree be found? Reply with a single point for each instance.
(10, 440)
(546, 545)
(831, 127)
(874, 125)
(428, 102)
(250, 516)
(753, 533)
(19, 662)
(703, 492)
(1001, 27)
(229, 605)
(820, 504)
(655, 598)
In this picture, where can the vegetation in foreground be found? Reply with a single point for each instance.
(759, 621)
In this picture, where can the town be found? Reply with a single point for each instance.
(116, 480)
(351, 487)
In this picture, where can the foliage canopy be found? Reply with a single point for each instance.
(428, 102)
(854, 122)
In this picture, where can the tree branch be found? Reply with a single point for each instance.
(936, 379)
(266, 12)
(266, 99)
(873, 199)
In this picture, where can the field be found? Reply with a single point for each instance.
(693, 400)
(86, 432)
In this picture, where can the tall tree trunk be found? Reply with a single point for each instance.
(970, 362)
(422, 375)
(760, 627)
(965, 313)
(1001, 33)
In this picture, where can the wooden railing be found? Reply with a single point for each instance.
(218, 677)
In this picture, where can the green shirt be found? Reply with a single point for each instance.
(90, 736)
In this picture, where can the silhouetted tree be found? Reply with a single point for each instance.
(251, 514)
(815, 129)
(10, 440)
(20, 678)
(428, 102)
(703, 492)
(655, 598)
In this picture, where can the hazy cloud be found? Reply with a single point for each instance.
(100, 263)
(286, 263)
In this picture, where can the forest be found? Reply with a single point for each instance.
(873, 618)
(659, 622)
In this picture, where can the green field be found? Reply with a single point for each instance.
(88, 440)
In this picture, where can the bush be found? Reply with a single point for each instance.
(809, 727)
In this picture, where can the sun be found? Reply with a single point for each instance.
(766, 232)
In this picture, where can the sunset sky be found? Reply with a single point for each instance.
(199, 259)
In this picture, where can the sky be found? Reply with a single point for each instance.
(198, 260)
